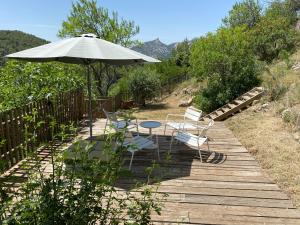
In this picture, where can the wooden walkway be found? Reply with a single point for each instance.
(229, 188)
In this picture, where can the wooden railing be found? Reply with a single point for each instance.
(66, 108)
(110, 104)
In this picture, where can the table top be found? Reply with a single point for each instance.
(150, 124)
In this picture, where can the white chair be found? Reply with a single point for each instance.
(190, 120)
(137, 143)
(117, 124)
(192, 139)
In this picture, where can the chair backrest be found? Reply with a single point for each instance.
(193, 113)
(205, 129)
(110, 115)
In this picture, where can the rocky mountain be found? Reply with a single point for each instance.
(155, 49)
(13, 41)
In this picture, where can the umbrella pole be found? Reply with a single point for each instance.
(90, 101)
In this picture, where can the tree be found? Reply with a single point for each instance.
(273, 35)
(143, 84)
(227, 63)
(181, 54)
(285, 9)
(87, 17)
(21, 83)
(247, 13)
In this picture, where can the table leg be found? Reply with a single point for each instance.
(150, 131)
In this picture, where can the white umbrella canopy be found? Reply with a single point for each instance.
(85, 49)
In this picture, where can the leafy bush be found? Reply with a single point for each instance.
(286, 9)
(168, 70)
(289, 116)
(274, 85)
(286, 57)
(21, 82)
(181, 54)
(144, 84)
(81, 189)
(247, 12)
(226, 61)
(272, 36)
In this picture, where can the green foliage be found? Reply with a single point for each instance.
(274, 85)
(81, 189)
(21, 83)
(143, 84)
(247, 12)
(286, 57)
(87, 17)
(226, 61)
(14, 41)
(285, 9)
(289, 116)
(168, 70)
(272, 36)
(181, 54)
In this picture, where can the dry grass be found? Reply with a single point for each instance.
(269, 140)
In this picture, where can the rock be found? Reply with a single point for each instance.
(185, 103)
(296, 66)
(297, 136)
(263, 107)
(184, 91)
(255, 102)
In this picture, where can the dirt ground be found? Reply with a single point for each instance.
(160, 110)
(168, 104)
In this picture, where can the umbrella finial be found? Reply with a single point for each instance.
(90, 35)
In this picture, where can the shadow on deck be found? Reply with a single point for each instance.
(227, 188)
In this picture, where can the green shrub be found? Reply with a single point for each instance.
(286, 57)
(21, 83)
(286, 9)
(274, 85)
(247, 12)
(167, 70)
(81, 189)
(272, 36)
(143, 84)
(289, 116)
(226, 61)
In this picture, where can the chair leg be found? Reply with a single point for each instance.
(165, 129)
(200, 154)
(157, 148)
(172, 139)
(207, 145)
(131, 160)
(105, 126)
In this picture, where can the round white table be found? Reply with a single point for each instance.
(150, 125)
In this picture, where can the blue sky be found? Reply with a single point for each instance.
(169, 20)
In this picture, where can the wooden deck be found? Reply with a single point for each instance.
(228, 188)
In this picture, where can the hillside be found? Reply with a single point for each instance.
(271, 129)
(155, 49)
(13, 41)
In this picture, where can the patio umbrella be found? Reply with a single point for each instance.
(85, 49)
